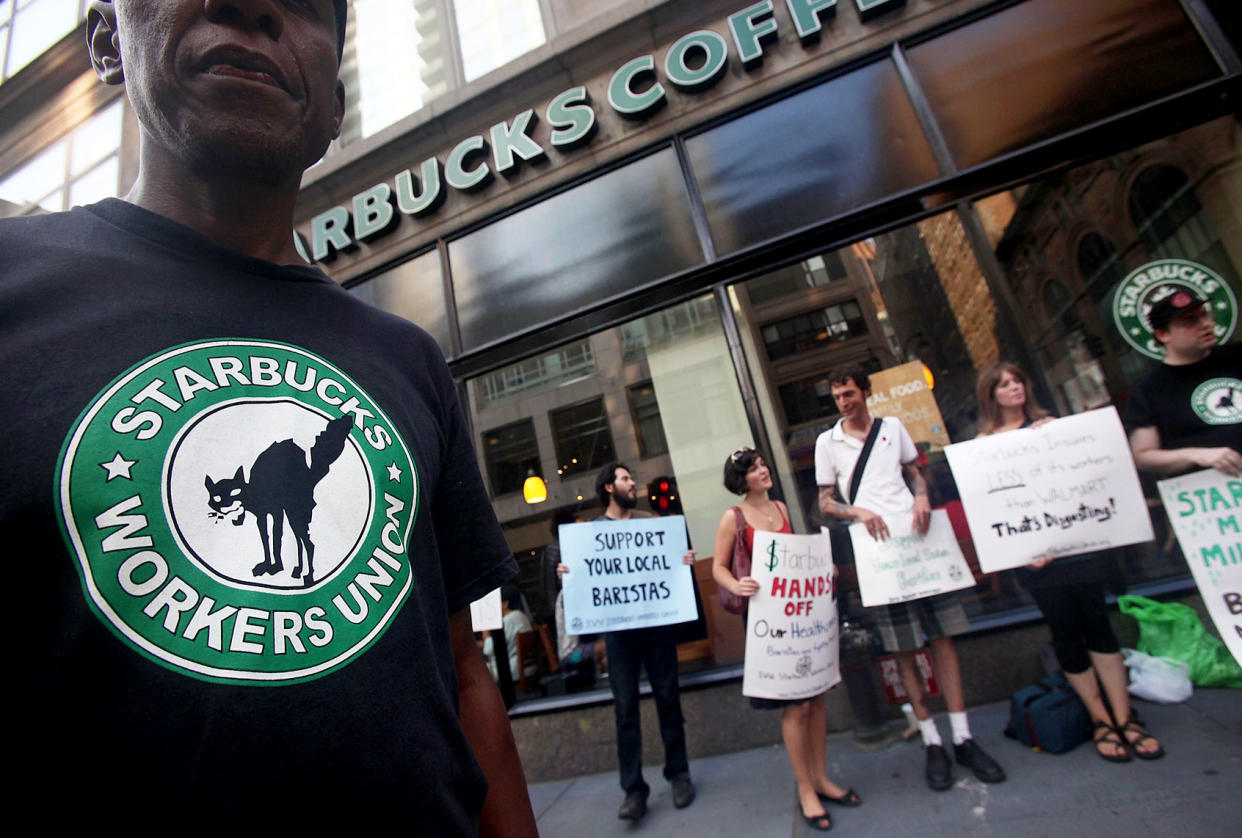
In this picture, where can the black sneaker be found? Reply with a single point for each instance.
(633, 807)
(683, 791)
(939, 771)
(970, 755)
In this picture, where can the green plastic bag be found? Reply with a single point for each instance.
(1173, 630)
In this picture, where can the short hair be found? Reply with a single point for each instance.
(985, 392)
(512, 595)
(736, 466)
(853, 373)
(607, 477)
(341, 9)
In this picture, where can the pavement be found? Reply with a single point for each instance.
(1193, 791)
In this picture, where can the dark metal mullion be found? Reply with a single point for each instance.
(697, 213)
(450, 299)
(923, 111)
(1213, 37)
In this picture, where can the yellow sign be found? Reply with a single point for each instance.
(905, 392)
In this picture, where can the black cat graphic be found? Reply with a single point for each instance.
(281, 487)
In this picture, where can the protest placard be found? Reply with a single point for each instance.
(1064, 488)
(626, 574)
(1204, 509)
(485, 612)
(906, 565)
(903, 391)
(792, 648)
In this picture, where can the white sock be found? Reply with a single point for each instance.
(961, 727)
(927, 727)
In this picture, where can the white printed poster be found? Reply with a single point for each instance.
(1203, 508)
(485, 612)
(1064, 488)
(908, 566)
(792, 648)
(626, 574)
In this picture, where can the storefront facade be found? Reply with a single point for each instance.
(651, 234)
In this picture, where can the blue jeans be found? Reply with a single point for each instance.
(628, 652)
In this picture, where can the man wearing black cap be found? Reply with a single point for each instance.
(1187, 414)
(241, 508)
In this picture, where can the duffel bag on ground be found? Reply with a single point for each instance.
(1049, 715)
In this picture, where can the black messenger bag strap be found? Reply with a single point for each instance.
(856, 477)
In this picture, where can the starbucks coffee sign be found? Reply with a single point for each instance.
(1156, 280)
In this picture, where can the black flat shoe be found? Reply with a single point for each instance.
(970, 755)
(819, 823)
(850, 799)
(939, 771)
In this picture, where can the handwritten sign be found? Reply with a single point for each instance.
(1061, 489)
(902, 391)
(907, 566)
(1204, 509)
(485, 612)
(792, 636)
(626, 574)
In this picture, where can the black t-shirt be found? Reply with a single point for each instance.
(239, 506)
(1193, 405)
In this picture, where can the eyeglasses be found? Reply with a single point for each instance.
(740, 453)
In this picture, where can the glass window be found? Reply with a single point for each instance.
(809, 157)
(583, 440)
(511, 455)
(494, 32)
(83, 166)
(645, 409)
(35, 26)
(413, 290)
(806, 331)
(561, 366)
(815, 272)
(522, 270)
(1033, 70)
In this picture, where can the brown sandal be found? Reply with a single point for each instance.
(1133, 726)
(1113, 737)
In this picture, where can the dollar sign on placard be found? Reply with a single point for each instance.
(771, 565)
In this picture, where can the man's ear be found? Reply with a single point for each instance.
(339, 114)
(104, 42)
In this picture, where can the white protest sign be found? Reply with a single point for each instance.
(792, 649)
(626, 574)
(1064, 488)
(907, 566)
(1204, 510)
(485, 612)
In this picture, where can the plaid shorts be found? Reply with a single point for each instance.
(904, 626)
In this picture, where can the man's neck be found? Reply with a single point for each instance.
(253, 219)
(1180, 359)
(860, 425)
(617, 512)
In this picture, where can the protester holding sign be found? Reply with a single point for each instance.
(859, 466)
(1070, 593)
(804, 722)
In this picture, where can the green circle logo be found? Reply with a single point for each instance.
(1218, 401)
(239, 511)
(1135, 295)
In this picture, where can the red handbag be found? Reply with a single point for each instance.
(740, 566)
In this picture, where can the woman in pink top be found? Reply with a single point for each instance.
(804, 724)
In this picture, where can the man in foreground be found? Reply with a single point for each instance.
(882, 491)
(1187, 414)
(273, 523)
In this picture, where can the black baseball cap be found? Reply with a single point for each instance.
(1170, 305)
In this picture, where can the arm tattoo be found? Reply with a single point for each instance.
(829, 504)
(917, 482)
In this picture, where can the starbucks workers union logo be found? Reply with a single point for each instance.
(239, 511)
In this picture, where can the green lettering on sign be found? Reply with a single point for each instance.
(677, 67)
(750, 28)
(621, 95)
(572, 117)
(807, 15)
(422, 203)
(330, 229)
(373, 214)
(455, 171)
(510, 142)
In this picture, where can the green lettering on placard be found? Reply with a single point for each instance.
(427, 200)
(750, 28)
(772, 562)
(330, 232)
(621, 95)
(455, 172)
(1228, 525)
(808, 14)
(572, 118)
(677, 67)
(373, 214)
(511, 142)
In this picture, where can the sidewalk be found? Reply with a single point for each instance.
(1193, 791)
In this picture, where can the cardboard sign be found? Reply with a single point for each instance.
(1065, 488)
(792, 636)
(890, 677)
(902, 391)
(1205, 509)
(485, 612)
(626, 574)
(907, 566)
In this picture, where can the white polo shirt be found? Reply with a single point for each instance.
(883, 490)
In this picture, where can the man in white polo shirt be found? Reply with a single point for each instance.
(883, 491)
